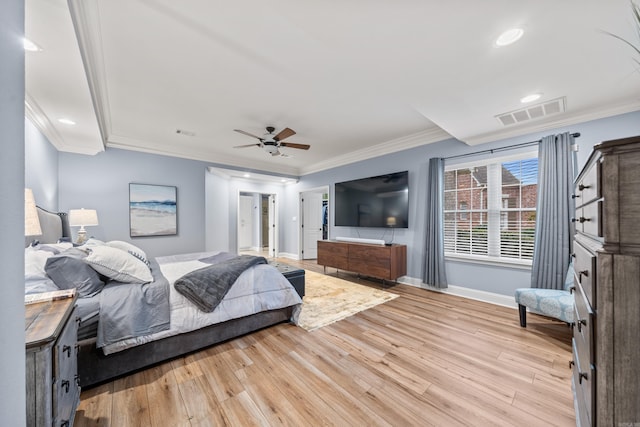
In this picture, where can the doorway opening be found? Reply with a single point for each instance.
(314, 221)
(257, 224)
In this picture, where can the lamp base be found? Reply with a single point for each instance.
(82, 237)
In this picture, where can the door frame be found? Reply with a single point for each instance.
(273, 219)
(322, 189)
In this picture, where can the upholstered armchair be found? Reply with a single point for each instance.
(548, 302)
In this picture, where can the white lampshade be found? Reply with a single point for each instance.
(83, 217)
(31, 220)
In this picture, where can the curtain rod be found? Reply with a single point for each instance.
(509, 147)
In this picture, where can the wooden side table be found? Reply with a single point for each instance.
(53, 392)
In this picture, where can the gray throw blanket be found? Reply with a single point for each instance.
(206, 287)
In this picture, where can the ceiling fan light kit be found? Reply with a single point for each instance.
(271, 143)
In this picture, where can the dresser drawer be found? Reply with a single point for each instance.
(66, 391)
(370, 268)
(584, 388)
(585, 271)
(333, 254)
(588, 187)
(583, 328)
(589, 219)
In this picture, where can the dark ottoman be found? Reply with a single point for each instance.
(293, 274)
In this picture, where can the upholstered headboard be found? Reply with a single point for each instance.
(54, 225)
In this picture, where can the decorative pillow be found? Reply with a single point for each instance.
(35, 258)
(92, 241)
(34, 262)
(132, 249)
(118, 265)
(68, 270)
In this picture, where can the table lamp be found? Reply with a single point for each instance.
(82, 218)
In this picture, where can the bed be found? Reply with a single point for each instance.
(172, 325)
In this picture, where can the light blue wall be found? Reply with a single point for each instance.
(101, 182)
(12, 366)
(497, 279)
(41, 167)
(218, 224)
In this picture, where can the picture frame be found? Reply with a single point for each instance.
(153, 210)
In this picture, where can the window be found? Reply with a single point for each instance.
(489, 208)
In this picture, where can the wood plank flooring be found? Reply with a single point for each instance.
(423, 359)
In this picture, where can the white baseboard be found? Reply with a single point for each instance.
(475, 294)
(288, 255)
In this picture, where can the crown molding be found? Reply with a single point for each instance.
(86, 23)
(428, 136)
(124, 143)
(558, 122)
(41, 121)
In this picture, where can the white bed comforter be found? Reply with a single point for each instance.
(260, 288)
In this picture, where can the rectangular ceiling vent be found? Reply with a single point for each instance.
(533, 112)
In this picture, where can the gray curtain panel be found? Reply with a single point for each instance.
(554, 210)
(434, 266)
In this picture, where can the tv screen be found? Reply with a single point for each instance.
(377, 201)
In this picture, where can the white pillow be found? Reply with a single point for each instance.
(34, 262)
(132, 249)
(118, 265)
(35, 258)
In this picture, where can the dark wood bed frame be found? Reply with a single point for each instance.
(95, 368)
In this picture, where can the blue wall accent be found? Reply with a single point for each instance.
(101, 182)
(12, 84)
(41, 167)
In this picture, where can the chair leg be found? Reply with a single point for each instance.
(523, 315)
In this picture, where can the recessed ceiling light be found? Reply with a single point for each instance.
(531, 98)
(246, 175)
(509, 36)
(30, 46)
(67, 122)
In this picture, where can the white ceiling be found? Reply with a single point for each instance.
(354, 79)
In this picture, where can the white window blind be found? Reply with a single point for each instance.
(489, 208)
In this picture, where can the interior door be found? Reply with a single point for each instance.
(311, 224)
(245, 223)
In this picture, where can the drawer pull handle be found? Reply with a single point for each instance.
(582, 375)
(65, 384)
(582, 187)
(583, 219)
(572, 289)
(67, 349)
(584, 273)
(580, 323)
(571, 363)
(65, 423)
(575, 196)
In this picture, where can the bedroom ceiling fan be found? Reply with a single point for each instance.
(271, 143)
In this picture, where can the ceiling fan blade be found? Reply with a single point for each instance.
(293, 145)
(248, 145)
(284, 134)
(248, 134)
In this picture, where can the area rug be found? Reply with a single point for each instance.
(329, 299)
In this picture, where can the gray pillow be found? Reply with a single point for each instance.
(68, 270)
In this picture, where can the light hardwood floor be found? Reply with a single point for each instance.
(422, 359)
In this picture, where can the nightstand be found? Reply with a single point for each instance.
(53, 392)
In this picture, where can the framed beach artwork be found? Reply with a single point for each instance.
(152, 210)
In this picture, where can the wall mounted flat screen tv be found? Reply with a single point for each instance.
(377, 201)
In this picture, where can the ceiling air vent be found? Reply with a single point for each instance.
(533, 112)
